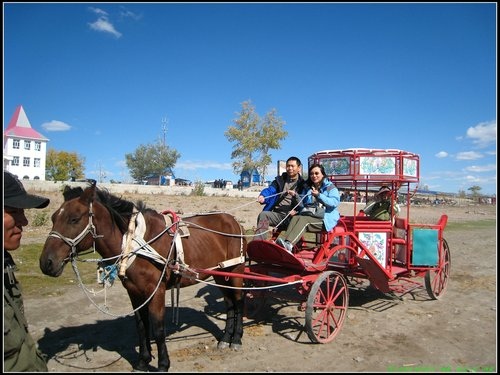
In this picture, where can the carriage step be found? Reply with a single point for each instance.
(378, 276)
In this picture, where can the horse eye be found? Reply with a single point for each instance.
(74, 220)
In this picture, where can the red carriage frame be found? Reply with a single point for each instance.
(396, 256)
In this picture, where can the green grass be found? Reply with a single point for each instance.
(471, 225)
(35, 283)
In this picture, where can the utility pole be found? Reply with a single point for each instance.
(164, 123)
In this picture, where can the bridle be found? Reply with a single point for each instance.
(73, 242)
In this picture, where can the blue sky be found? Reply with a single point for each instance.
(99, 79)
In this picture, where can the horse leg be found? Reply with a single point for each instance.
(142, 323)
(225, 341)
(236, 343)
(237, 300)
(233, 331)
(157, 315)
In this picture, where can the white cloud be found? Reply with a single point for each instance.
(469, 155)
(475, 180)
(441, 154)
(98, 11)
(482, 168)
(102, 24)
(193, 165)
(125, 13)
(121, 163)
(56, 126)
(483, 134)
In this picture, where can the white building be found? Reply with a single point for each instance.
(24, 149)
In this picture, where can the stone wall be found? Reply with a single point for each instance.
(41, 186)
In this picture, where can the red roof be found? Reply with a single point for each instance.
(19, 126)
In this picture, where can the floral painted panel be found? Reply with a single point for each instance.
(409, 167)
(376, 243)
(336, 166)
(371, 165)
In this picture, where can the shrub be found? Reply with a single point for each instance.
(40, 219)
(199, 189)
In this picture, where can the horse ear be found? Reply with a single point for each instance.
(67, 193)
(71, 193)
(89, 193)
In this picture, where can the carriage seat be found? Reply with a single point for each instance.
(326, 237)
(399, 239)
(400, 231)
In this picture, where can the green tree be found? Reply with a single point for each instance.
(254, 138)
(475, 192)
(270, 137)
(63, 165)
(151, 159)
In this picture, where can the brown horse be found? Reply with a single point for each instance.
(94, 217)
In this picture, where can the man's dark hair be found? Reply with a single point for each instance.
(294, 158)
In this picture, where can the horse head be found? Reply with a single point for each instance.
(73, 229)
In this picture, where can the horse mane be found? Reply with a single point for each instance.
(119, 208)
(142, 208)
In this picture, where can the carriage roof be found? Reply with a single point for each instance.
(355, 167)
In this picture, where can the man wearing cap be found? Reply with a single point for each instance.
(20, 352)
(380, 208)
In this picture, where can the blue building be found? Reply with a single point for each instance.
(249, 178)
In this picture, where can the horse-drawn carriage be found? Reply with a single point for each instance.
(396, 256)
(152, 252)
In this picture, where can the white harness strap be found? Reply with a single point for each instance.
(232, 262)
(133, 243)
(127, 247)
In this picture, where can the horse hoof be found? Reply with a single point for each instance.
(223, 345)
(236, 347)
(141, 369)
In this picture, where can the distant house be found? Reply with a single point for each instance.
(24, 149)
(249, 178)
(167, 178)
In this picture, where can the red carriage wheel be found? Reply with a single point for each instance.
(436, 280)
(326, 307)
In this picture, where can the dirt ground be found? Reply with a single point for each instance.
(454, 334)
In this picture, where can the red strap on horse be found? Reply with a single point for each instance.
(175, 220)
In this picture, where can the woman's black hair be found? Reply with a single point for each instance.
(321, 168)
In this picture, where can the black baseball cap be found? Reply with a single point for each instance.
(14, 194)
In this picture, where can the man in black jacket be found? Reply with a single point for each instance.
(20, 352)
(276, 200)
